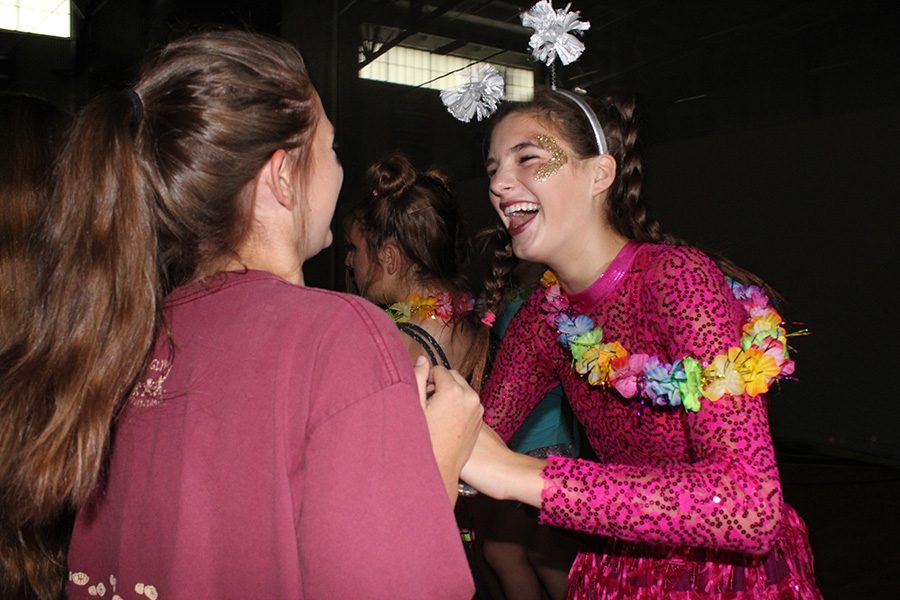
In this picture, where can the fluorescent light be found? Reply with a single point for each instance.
(420, 68)
(45, 17)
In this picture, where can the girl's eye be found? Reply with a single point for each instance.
(491, 173)
(526, 157)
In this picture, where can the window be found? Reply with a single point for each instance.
(420, 68)
(46, 17)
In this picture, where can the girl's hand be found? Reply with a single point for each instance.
(453, 413)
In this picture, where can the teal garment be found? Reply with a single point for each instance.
(547, 425)
(550, 423)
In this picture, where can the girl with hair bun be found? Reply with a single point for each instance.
(665, 356)
(269, 438)
(406, 251)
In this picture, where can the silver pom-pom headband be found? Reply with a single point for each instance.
(477, 98)
(555, 32)
(599, 138)
(554, 37)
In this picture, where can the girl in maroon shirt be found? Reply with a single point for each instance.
(256, 453)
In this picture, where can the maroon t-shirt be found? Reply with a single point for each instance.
(274, 449)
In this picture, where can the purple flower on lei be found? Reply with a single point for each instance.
(662, 382)
(570, 328)
(750, 296)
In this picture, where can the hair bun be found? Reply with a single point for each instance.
(392, 175)
(439, 177)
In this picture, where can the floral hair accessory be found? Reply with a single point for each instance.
(553, 33)
(374, 192)
(761, 358)
(479, 97)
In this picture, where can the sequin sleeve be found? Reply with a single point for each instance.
(523, 371)
(727, 494)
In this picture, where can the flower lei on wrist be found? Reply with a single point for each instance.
(442, 305)
(750, 368)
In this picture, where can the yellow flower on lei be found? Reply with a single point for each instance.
(722, 376)
(758, 370)
(423, 307)
(548, 278)
(595, 361)
(765, 324)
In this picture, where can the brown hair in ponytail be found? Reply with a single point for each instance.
(150, 192)
(627, 208)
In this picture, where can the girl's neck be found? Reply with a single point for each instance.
(423, 289)
(589, 262)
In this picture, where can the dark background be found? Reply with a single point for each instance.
(772, 135)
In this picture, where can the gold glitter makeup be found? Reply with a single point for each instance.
(558, 157)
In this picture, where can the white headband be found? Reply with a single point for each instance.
(602, 148)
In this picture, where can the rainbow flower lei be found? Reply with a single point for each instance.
(749, 368)
(442, 305)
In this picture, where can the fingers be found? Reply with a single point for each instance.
(445, 378)
(450, 382)
(422, 368)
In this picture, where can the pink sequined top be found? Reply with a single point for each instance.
(665, 476)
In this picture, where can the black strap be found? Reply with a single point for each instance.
(425, 340)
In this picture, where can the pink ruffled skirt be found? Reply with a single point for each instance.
(621, 569)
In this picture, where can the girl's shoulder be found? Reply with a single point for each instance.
(673, 256)
(675, 263)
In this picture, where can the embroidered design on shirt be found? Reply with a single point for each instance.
(149, 392)
(99, 589)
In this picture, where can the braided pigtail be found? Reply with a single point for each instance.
(492, 241)
(496, 243)
(627, 210)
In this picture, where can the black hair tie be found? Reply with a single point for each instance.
(137, 109)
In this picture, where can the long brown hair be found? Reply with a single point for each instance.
(627, 207)
(417, 210)
(150, 192)
(32, 130)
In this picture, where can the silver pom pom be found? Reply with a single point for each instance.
(477, 98)
(552, 35)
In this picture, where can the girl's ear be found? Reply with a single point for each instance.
(604, 169)
(281, 179)
(391, 258)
